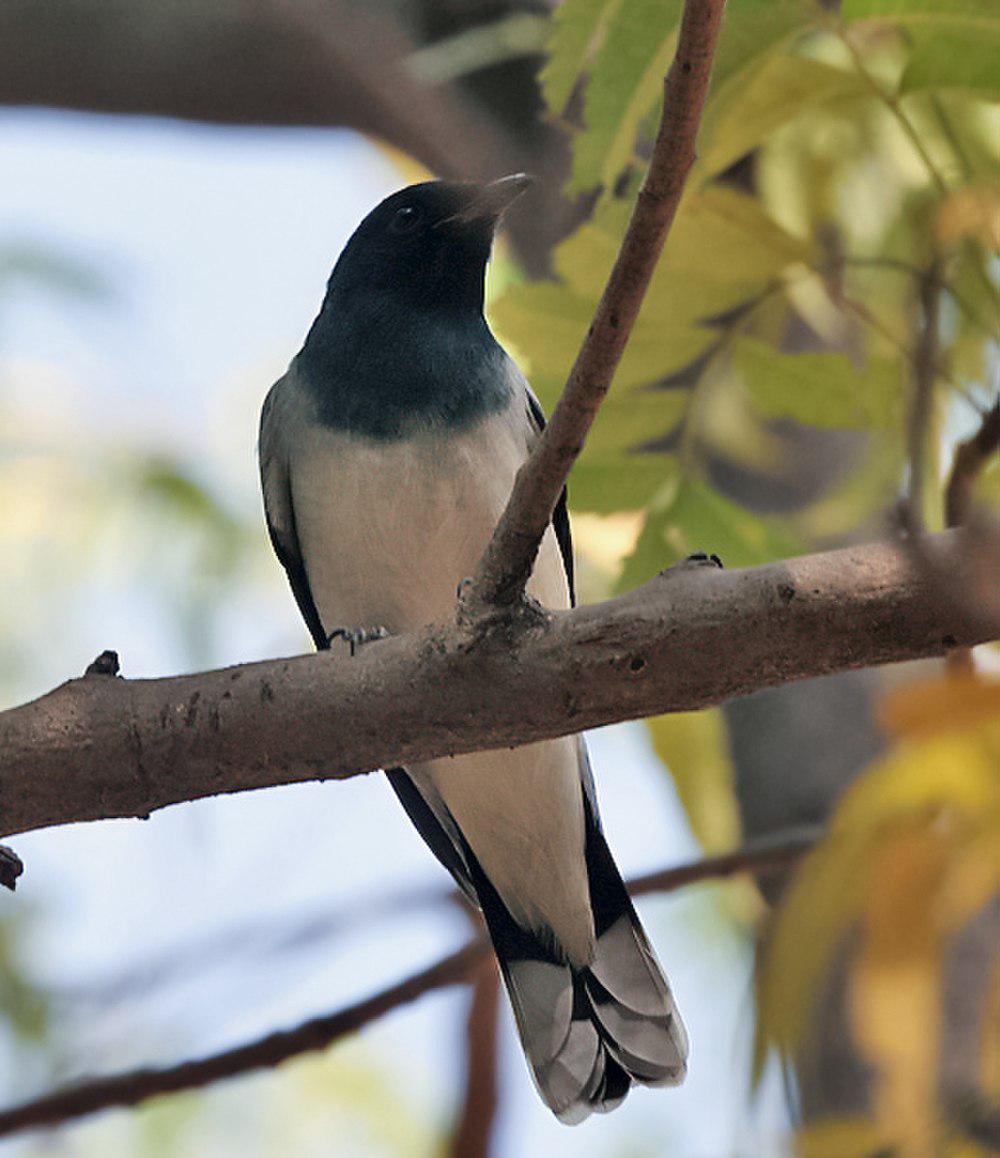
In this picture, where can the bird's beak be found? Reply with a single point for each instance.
(488, 203)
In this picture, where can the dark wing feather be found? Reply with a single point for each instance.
(560, 516)
(299, 581)
(280, 516)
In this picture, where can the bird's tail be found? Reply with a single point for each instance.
(590, 1033)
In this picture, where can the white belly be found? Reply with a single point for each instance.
(430, 505)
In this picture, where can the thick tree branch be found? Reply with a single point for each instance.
(103, 747)
(135, 1086)
(273, 62)
(508, 560)
(288, 62)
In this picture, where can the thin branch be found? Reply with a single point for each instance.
(293, 933)
(135, 1086)
(922, 403)
(473, 1134)
(508, 560)
(103, 747)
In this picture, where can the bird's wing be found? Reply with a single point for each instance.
(279, 511)
(560, 516)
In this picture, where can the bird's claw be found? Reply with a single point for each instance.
(696, 561)
(703, 559)
(356, 636)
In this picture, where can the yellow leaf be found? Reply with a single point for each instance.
(973, 212)
(954, 703)
(947, 782)
(825, 896)
(895, 995)
(973, 877)
(840, 1138)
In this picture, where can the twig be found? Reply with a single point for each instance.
(510, 555)
(293, 933)
(473, 1134)
(135, 1086)
(921, 407)
(763, 856)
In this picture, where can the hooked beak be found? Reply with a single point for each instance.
(488, 203)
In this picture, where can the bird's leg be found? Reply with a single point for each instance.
(356, 636)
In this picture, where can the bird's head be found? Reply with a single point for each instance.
(427, 245)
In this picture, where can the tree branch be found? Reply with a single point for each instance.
(273, 62)
(509, 558)
(135, 1086)
(103, 747)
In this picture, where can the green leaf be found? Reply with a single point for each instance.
(952, 43)
(821, 389)
(627, 75)
(577, 29)
(613, 473)
(982, 11)
(626, 82)
(953, 56)
(723, 251)
(687, 516)
(773, 90)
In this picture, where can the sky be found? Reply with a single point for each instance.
(213, 247)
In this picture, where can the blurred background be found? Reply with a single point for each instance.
(178, 183)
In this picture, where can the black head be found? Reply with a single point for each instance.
(426, 246)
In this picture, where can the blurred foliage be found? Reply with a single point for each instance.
(912, 855)
(21, 262)
(847, 163)
(24, 1007)
(845, 158)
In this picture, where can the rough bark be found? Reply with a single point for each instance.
(103, 747)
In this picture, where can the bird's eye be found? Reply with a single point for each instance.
(405, 220)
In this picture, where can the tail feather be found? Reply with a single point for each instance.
(589, 1032)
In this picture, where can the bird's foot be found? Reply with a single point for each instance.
(703, 559)
(697, 560)
(355, 637)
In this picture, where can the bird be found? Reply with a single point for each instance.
(387, 453)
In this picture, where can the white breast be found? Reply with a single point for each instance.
(388, 531)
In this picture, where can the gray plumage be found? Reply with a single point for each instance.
(388, 451)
